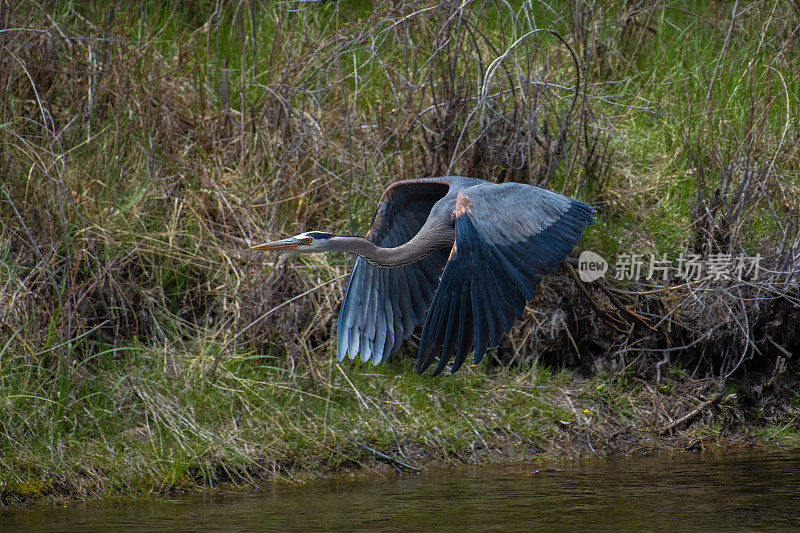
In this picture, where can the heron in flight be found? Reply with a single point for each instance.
(468, 251)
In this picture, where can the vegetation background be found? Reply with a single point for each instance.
(145, 145)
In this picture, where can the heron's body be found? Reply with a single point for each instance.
(467, 251)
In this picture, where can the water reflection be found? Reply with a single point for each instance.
(733, 492)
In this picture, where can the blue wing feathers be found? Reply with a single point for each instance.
(454, 333)
(355, 341)
(458, 328)
(383, 332)
(396, 279)
(408, 308)
(383, 306)
(392, 317)
(466, 333)
(497, 271)
(500, 298)
(371, 320)
(444, 340)
(445, 354)
(358, 312)
(506, 306)
(523, 277)
(492, 305)
(428, 343)
(481, 330)
(347, 327)
(343, 324)
(368, 319)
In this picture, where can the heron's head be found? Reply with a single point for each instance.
(310, 241)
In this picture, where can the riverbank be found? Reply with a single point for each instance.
(144, 148)
(243, 430)
(755, 490)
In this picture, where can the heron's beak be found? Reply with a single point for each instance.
(283, 245)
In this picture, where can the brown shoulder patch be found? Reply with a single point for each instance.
(463, 205)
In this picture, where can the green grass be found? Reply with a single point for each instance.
(162, 424)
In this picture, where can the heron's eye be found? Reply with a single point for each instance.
(308, 240)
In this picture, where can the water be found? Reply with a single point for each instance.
(747, 492)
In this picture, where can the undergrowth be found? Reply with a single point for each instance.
(144, 147)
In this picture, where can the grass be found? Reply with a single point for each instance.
(161, 425)
(145, 147)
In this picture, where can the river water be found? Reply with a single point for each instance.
(730, 492)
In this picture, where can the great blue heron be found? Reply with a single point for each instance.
(493, 241)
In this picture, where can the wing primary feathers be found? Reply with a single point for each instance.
(509, 304)
(496, 295)
(381, 329)
(440, 318)
(398, 313)
(427, 289)
(428, 344)
(466, 332)
(493, 302)
(381, 318)
(416, 303)
(432, 331)
(478, 322)
(444, 356)
(405, 304)
(491, 308)
(354, 300)
(356, 311)
(355, 340)
(450, 344)
(389, 320)
(426, 284)
(346, 313)
(370, 317)
(522, 277)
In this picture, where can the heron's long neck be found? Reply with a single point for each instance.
(408, 253)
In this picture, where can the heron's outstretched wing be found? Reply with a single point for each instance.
(507, 236)
(382, 306)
